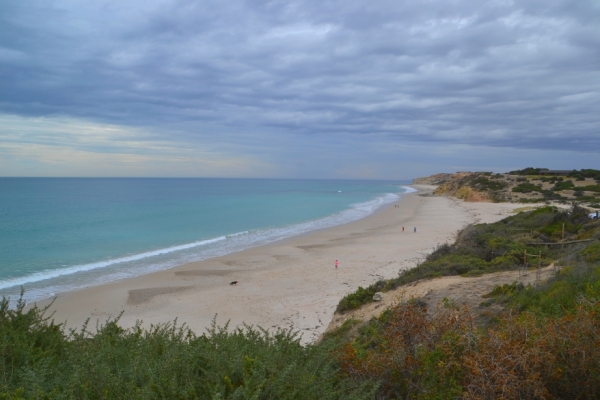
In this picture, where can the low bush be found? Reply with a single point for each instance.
(422, 354)
(591, 253)
(485, 184)
(526, 187)
(360, 296)
(38, 360)
(506, 290)
(341, 333)
(563, 185)
(590, 188)
(406, 352)
(527, 171)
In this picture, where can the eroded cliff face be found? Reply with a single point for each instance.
(459, 185)
(460, 191)
(468, 186)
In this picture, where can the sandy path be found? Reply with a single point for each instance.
(461, 291)
(287, 284)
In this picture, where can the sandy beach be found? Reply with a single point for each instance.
(287, 284)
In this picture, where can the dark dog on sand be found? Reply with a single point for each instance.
(233, 283)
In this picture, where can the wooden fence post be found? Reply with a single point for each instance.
(539, 273)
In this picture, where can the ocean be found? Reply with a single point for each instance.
(60, 234)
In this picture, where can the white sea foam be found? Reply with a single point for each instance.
(44, 275)
(46, 283)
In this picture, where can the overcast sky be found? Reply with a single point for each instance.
(311, 89)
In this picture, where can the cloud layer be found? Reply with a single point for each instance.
(268, 79)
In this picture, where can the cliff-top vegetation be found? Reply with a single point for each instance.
(545, 345)
(529, 185)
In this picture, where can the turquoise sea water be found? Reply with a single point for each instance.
(58, 234)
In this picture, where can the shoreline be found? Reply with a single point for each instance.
(290, 283)
(119, 267)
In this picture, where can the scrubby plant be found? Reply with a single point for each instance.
(504, 291)
(527, 171)
(526, 187)
(528, 356)
(439, 354)
(39, 360)
(563, 185)
(341, 333)
(590, 188)
(485, 184)
(360, 296)
(406, 356)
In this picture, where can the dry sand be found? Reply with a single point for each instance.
(286, 284)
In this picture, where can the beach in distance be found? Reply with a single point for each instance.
(291, 283)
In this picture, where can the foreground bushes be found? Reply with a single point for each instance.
(38, 360)
(442, 355)
(411, 353)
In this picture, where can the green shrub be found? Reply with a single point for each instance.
(342, 331)
(38, 360)
(483, 183)
(505, 290)
(592, 253)
(27, 338)
(566, 185)
(526, 188)
(361, 296)
(527, 171)
(590, 188)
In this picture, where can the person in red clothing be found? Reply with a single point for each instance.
(336, 264)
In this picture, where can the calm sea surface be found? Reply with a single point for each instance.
(61, 234)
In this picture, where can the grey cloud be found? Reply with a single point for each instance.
(496, 73)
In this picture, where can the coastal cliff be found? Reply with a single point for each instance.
(530, 185)
(469, 186)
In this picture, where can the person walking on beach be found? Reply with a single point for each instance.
(402, 229)
(336, 264)
(415, 229)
